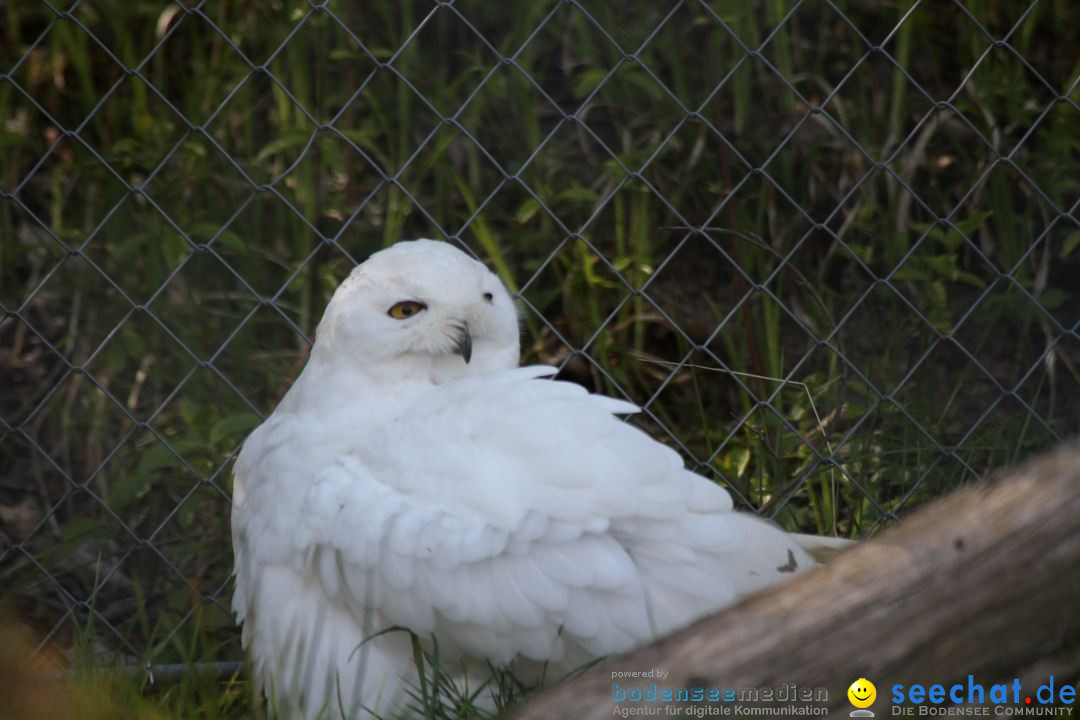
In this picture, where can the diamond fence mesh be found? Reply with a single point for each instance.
(831, 248)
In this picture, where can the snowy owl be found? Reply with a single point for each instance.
(415, 478)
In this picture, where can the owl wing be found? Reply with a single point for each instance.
(515, 517)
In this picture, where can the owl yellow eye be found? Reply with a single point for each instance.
(405, 309)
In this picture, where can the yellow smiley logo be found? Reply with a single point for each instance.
(862, 693)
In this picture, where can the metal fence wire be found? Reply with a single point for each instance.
(830, 247)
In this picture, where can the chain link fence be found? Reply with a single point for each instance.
(831, 248)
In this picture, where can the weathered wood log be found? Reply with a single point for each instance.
(985, 582)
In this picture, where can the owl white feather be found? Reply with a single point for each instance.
(413, 477)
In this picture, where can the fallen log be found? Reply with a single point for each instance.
(985, 582)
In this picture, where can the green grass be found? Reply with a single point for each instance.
(249, 199)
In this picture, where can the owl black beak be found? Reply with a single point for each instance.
(464, 344)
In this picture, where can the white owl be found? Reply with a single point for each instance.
(413, 477)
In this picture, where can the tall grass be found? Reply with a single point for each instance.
(773, 285)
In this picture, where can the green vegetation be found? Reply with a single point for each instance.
(176, 232)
